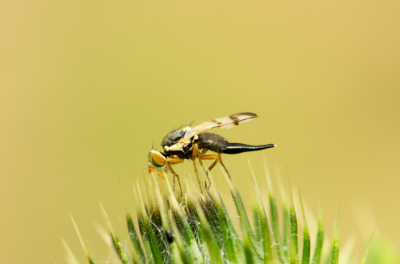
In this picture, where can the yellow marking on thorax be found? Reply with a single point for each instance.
(175, 147)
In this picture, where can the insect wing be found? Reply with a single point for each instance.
(225, 122)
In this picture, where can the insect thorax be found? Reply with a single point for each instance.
(172, 138)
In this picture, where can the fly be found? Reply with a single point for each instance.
(193, 143)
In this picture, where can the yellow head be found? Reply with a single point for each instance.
(157, 161)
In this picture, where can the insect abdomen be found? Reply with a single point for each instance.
(212, 142)
(219, 144)
(236, 148)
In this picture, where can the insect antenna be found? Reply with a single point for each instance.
(190, 124)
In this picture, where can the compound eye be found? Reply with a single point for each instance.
(157, 159)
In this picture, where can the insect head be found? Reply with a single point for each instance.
(156, 161)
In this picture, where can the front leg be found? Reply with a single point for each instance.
(174, 161)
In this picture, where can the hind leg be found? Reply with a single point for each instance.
(208, 157)
(203, 151)
(223, 165)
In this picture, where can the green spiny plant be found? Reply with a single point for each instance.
(197, 228)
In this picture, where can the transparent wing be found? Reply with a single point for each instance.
(225, 122)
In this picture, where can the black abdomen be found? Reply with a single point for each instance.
(212, 142)
(219, 144)
(236, 148)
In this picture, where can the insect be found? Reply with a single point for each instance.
(193, 143)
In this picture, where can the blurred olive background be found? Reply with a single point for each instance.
(86, 87)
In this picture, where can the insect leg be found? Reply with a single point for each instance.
(220, 161)
(174, 161)
(208, 157)
(194, 156)
(203, 151)
(204, 170)
(211, 157)
(200, 156)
